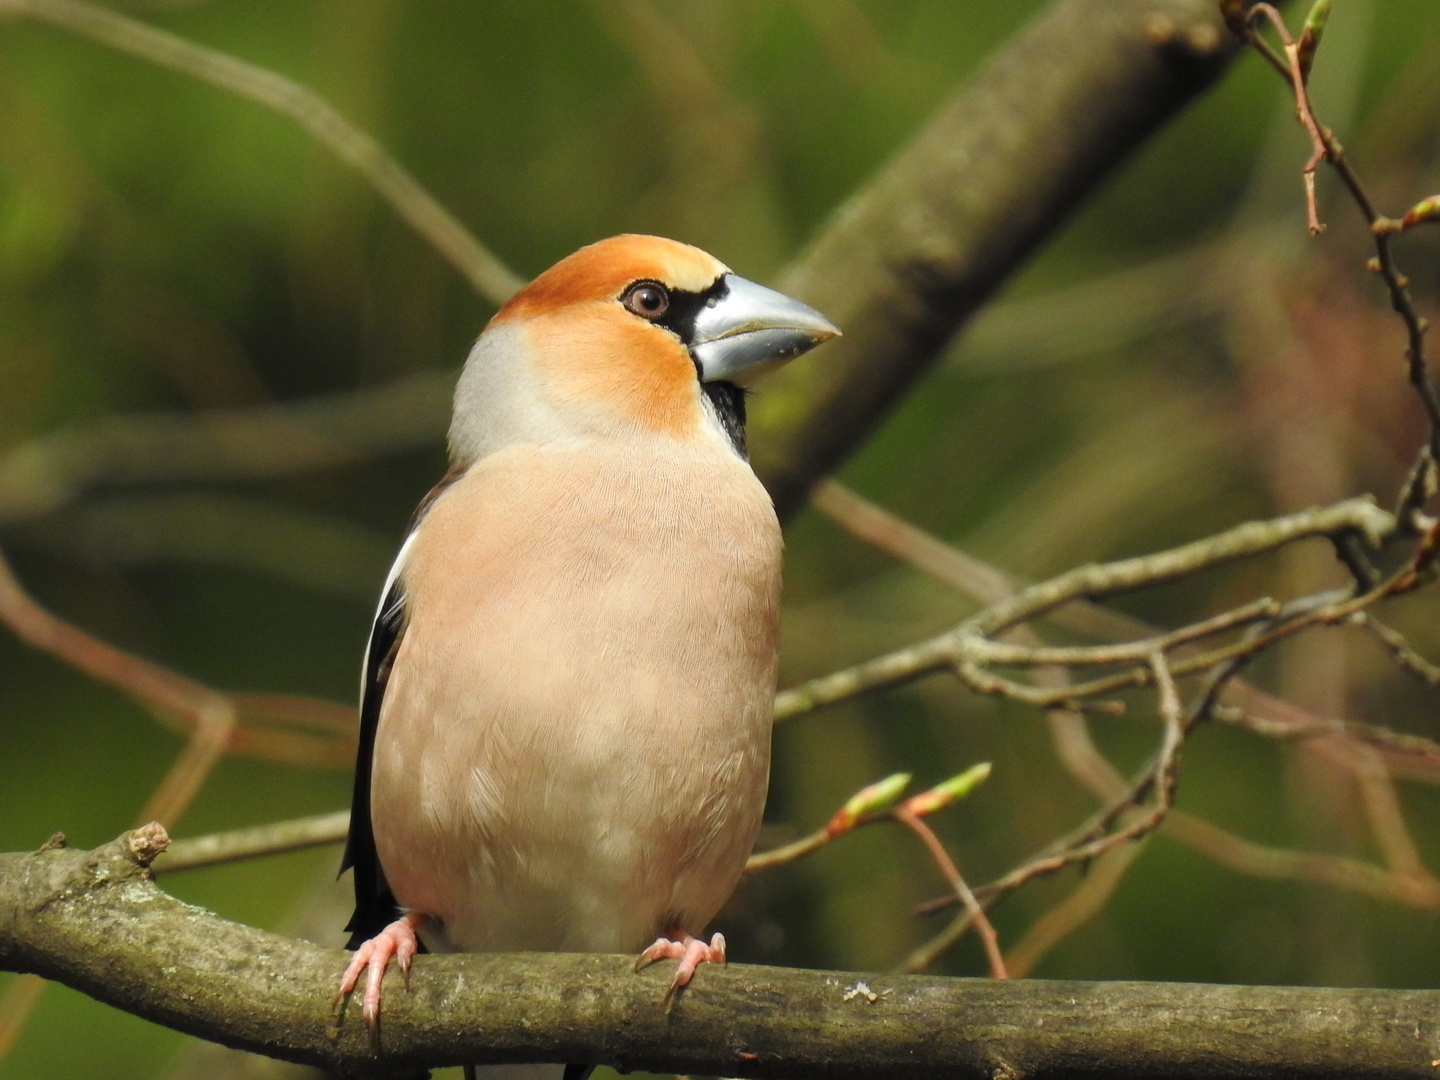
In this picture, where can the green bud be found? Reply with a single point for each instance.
(1318, 17)
(942, 795)
(1421, 212)
(1311, 35)
(868, 800)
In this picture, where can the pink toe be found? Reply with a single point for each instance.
(396, 940)
(663, 949)
(690, 951)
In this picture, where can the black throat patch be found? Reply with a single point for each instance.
(728, 401)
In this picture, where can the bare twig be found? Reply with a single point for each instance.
(1296, 723)
(1360, 516)
(476, 263)
(183, 705)
(966, 648)
(1086, 901)
(962, 571)
(237, 845)
(973, 577)
(1279, 864)
(1294, 70)
(962, 890)
(1400, 649)
(869, 805)
(863, 808)
(1418, 489)
(1327, 148)
(47, 473)
(1263, 713)
(1091, 840)
(1263, 610)
(240, 844)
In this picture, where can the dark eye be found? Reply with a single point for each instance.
(647, 299)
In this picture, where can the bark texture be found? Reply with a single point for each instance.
(911, 256)
(97, 922)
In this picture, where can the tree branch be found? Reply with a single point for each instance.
(475, 262)
(909, 258)
(901, 266)
(45, 474)
(967, 647)
(97, 922)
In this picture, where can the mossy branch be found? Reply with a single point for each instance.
(97, 922)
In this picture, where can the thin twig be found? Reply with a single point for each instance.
(1262, 713)
(1262, 610)
(240, 844)
(487, 275)
(869, 805)
(1087, 843)
(47, 473)
(1400, 649)
(1295, 73)
(1243, 541)
(962, 891)
(1081, 845)
(1418, 489)
(1086, 901)
(1266, 714)
(1280, 864)
(182, 704)
(1295, 723)
(965, 647)
(1327, 148)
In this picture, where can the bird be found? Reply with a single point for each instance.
(567, 692)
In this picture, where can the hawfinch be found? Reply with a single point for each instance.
(565, 716)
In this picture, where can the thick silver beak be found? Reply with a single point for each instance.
(751, 330)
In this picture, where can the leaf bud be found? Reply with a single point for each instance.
(868, 800)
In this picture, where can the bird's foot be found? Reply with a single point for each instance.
(397, 940)
(691, 952)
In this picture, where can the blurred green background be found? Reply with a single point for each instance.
(1180, 358)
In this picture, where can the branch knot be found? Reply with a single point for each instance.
(146, 843)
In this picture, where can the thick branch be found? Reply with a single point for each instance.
(908, 259)
(902, 266)
(98, 923)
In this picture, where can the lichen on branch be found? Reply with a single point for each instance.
(98, 922)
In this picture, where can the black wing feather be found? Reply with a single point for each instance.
(375, 906)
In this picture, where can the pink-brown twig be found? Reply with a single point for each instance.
(952, 874)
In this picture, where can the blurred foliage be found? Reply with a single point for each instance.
(165, 246)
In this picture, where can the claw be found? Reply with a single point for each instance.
(396, 940)
(691, 952)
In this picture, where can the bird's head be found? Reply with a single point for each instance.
(630, 335)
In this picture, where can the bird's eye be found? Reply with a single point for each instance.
(647, 299)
